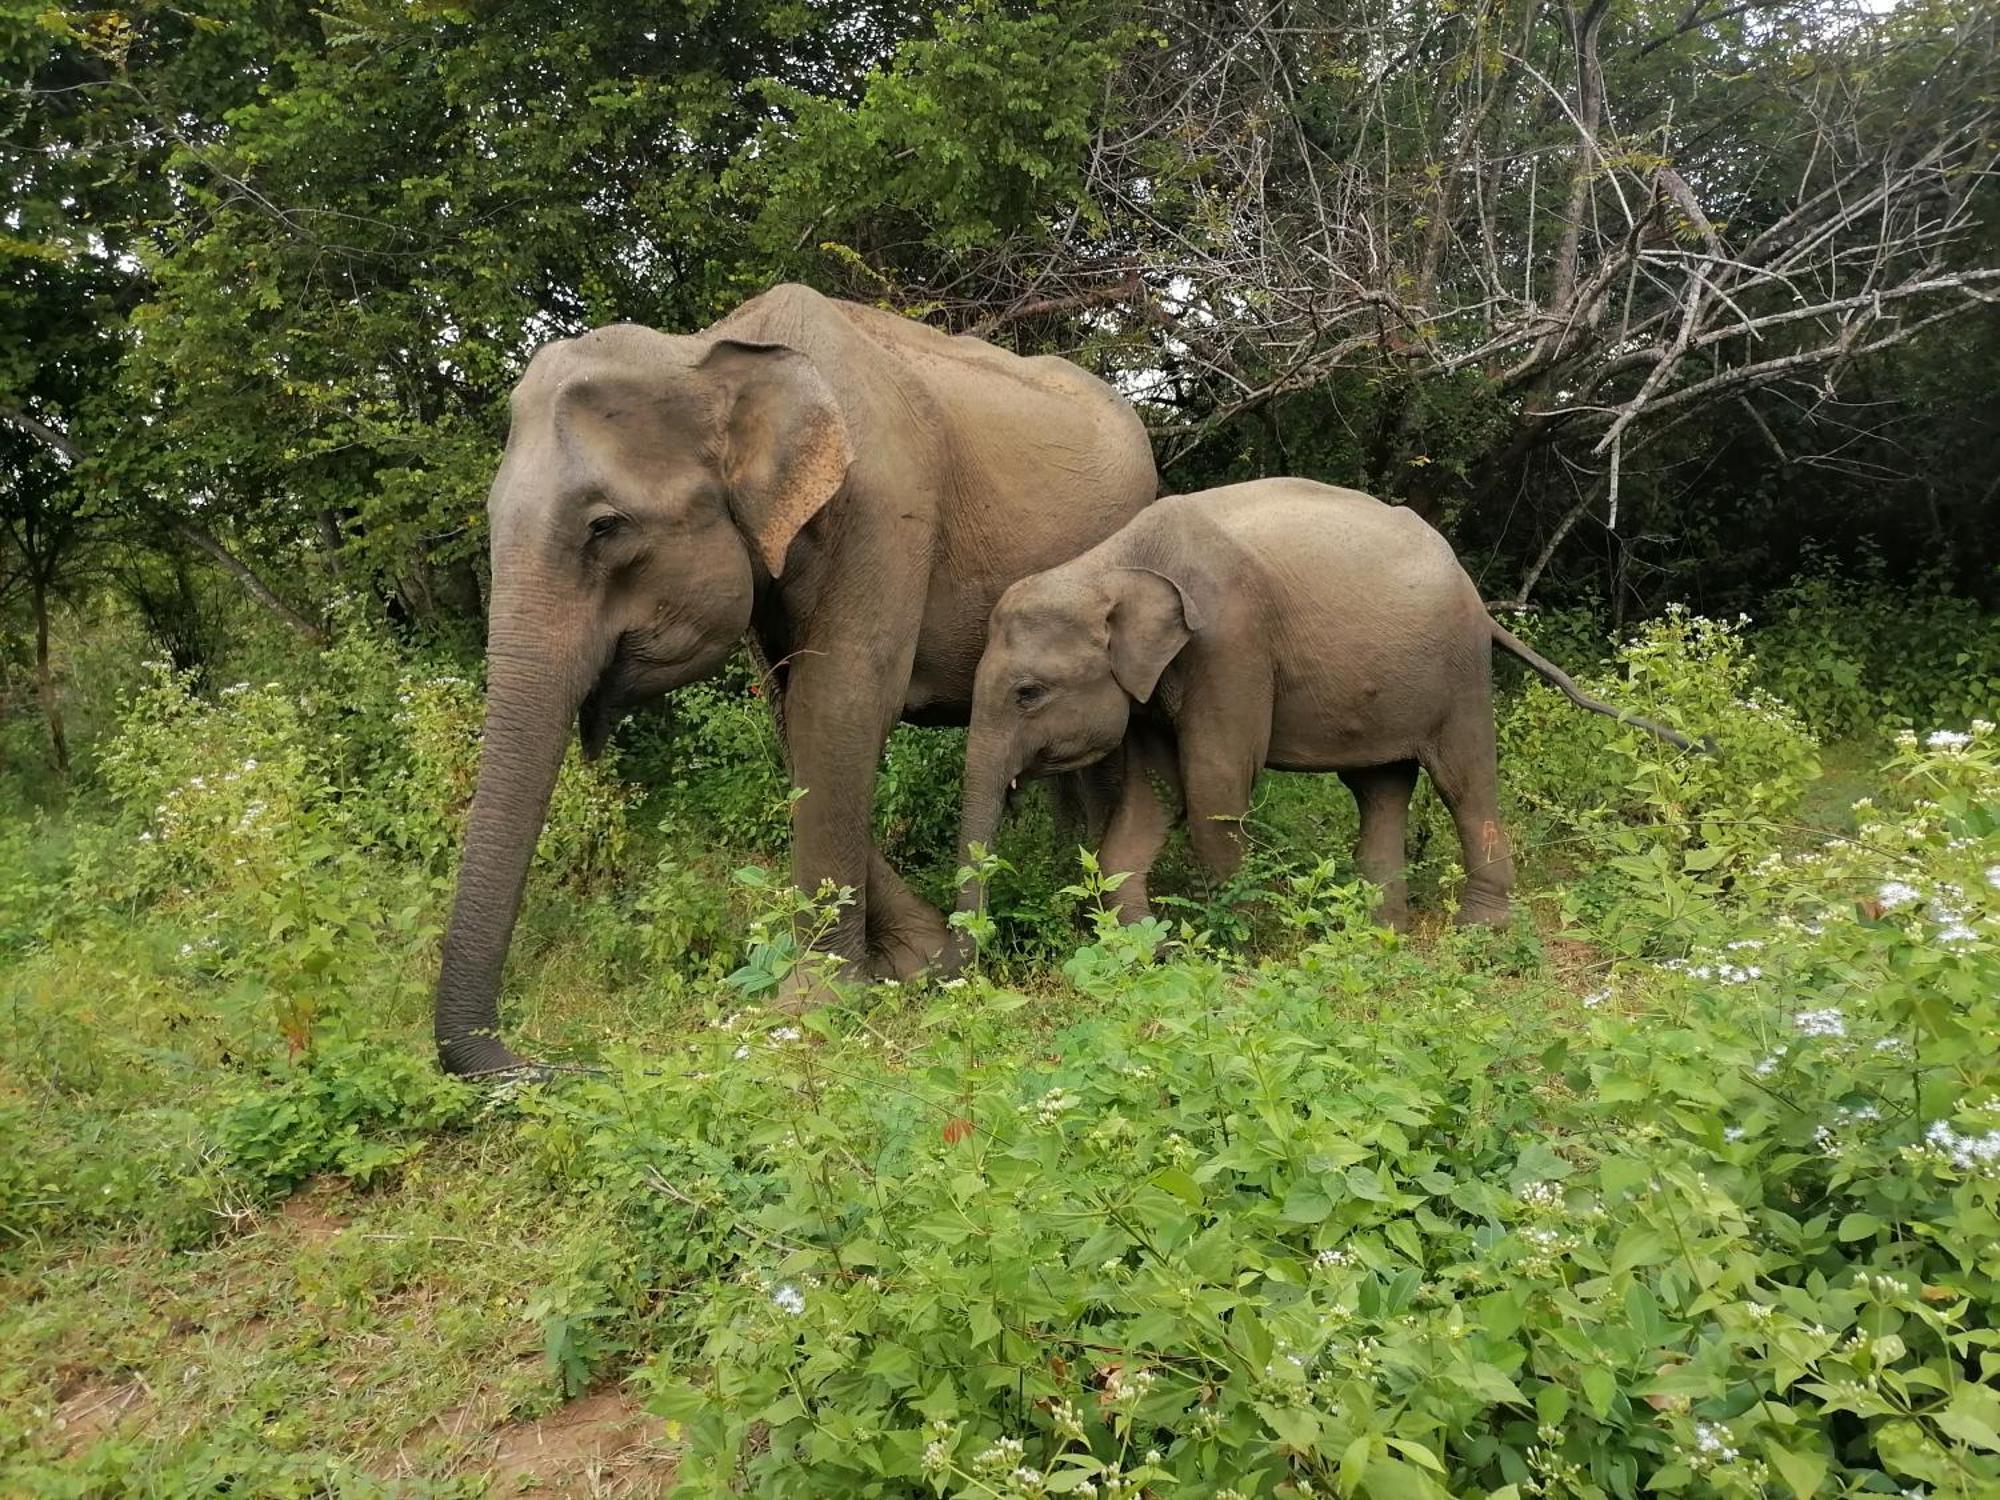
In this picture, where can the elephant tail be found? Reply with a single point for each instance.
(1557, 678)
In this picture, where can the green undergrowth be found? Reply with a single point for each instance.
(1686, 1183)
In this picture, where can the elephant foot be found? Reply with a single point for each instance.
(1131, 908)
(906, 946)
(1476, 910)
(1394, 916)
(481, 1057)
(805, 988)
(959, 951)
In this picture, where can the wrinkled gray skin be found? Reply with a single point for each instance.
(852, 488)
(1279, 623)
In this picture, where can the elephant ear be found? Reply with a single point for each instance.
(1152, 617)
(784, 450)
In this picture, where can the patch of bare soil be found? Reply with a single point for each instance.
(600, 1445)
(93, 1409)
(315, 1212)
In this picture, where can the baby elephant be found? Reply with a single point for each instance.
(1278, 623)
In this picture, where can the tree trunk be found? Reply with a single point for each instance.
(45, 679)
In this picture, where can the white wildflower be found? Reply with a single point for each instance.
(1895, 893)
(1968, 1153)
(1947, 739)
(1712, 1443)
(1825, 1022)
(785, 1034)
(1734, 1133)
(1595, 998)
(789, 1299)
(1540, 1195)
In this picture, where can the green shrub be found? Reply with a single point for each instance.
(1350, 1222)
(1658, 831)
(347, 1106)
(1857, 656)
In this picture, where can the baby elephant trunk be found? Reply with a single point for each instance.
(989, 774)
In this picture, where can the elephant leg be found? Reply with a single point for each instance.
(905, 933)
(1465, 769)
(1149, 788)
(1086, 801)
(1223, 730)
(1382, 851)
(840, 701)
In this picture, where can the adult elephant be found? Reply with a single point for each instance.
(853, 489)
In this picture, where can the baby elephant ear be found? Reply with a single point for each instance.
(1151, 619)
(783, 444)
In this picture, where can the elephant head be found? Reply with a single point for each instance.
(650, 484)
(1068, 654)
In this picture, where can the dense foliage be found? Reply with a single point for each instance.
(1650, 301)
(1698, 1197)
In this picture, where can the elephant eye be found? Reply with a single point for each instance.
(603, 525)
(1028, 694)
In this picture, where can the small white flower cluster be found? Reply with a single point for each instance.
(1068, 1421)
(1968, 1153)
(1728, 973)
(1823, 1022)
(1122, 1386)
(1541, 1197)
(1897, 893)
(788, 1299)
(937, 1452)
(1712, 1446)
(1331, 1257)
(1005, 1454)
(1052, 1106)
(1953, 929)
(1546, 1250)
(1595, 998)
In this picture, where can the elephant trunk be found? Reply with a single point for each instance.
(989, 771)
(532, 698)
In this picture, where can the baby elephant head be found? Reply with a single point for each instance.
(1068, 653)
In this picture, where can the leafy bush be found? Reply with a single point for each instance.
(1857, 656)
(1725, 1228)
(347, 1107)
(1659, 830)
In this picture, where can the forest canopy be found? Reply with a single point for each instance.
(1640, 302)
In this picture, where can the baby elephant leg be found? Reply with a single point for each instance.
(1465, 770)
(1382, 851)
(1148, 801)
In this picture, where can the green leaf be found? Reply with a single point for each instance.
(1305, 1205)
(1600, 1389)
(1973, 1417)
(1641, 1245)
(1803, 1473)
(1354, 1463)
(985, 1322)
(1858, 1227)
